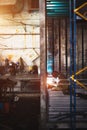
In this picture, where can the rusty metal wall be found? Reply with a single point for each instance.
(81, 44)
(58, 44)
(58, 41)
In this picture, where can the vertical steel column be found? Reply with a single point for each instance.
(73, 64)
(53, 42)
(82, 46)
(59, 45)
(66, 45)
(74, 21)
(43, 64)
(71, 42)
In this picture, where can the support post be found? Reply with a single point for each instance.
(73, 64)
(43, 64)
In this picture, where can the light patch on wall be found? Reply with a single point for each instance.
(16, 39)
(11, 30)
(7, 2)
(10, 56)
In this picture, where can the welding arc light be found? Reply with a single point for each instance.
(52, 81)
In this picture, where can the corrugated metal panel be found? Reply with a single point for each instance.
(60, 7)
(57, 8)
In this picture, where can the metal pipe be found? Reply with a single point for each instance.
(74, 33)
(79, 83)
(19, 34)
(82, 47)
(77, 73)
(22, 48)
(70, 56)
(80, 71)
(66, 44)
(59, 46)
(53, 43)
(72, 63)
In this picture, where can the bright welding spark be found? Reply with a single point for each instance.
(52, 81)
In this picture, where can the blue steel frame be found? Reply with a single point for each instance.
(72, 64)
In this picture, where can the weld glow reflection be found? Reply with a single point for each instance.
(52, 81)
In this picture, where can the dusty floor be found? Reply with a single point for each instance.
(22, 115)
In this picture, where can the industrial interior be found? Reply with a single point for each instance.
(43, 64)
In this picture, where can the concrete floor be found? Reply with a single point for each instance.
(20, 109)
(24, 114)
(21, 115)
(59, 110)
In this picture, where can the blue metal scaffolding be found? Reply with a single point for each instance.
(73, 64)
